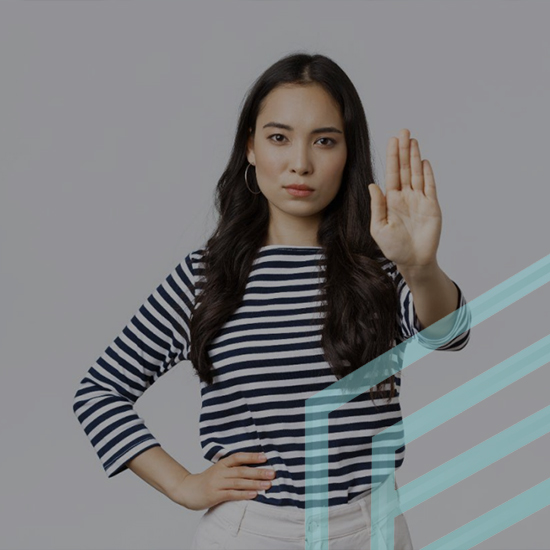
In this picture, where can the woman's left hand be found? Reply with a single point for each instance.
(406, 223)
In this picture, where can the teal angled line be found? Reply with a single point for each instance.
(496, 520)
(490, 450)
(320, 405)
(455, 470)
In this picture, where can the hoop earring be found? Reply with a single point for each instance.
(246, 181)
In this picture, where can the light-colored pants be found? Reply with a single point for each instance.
(253, 525)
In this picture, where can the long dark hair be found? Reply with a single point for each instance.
(361, 302)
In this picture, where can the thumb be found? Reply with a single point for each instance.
(378, 205)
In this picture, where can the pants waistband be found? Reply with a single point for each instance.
(268, 520)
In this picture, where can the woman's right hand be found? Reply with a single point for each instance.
(225, 480)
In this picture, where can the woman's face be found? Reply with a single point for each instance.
(310, 149)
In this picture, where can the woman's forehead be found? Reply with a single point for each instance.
(305, 106)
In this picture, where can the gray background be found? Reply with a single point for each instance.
(116, 122)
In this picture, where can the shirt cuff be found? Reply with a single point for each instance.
(457, 337)
(117, 463)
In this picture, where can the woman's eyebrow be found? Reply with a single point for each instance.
(323, 130)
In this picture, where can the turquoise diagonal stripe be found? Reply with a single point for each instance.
(320, 405)
(496, 520)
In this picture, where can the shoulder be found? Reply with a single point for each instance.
(192, 264)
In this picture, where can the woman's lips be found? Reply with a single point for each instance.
(299, 192)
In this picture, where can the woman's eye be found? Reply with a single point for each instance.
(332, 142)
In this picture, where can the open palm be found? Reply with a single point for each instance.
(406, 222)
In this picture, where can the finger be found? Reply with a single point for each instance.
(417, 178)
(242, 457)
(250, 473)
(429, 185)
(392, 165)
(377, 206)
(241, 483)
(246, 481)
(404, 158)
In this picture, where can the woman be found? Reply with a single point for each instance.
(294, 290)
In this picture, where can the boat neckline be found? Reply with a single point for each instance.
(288, 246)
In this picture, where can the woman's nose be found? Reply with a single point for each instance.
(300, 161)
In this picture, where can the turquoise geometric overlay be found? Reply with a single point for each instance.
(384, 502)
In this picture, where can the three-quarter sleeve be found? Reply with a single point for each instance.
(456, 339)
(155, 339)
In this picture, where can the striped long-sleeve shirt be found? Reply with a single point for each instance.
(267, 362)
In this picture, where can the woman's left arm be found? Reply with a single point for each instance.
(406, 225)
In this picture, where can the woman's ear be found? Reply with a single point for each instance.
(250, 150)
